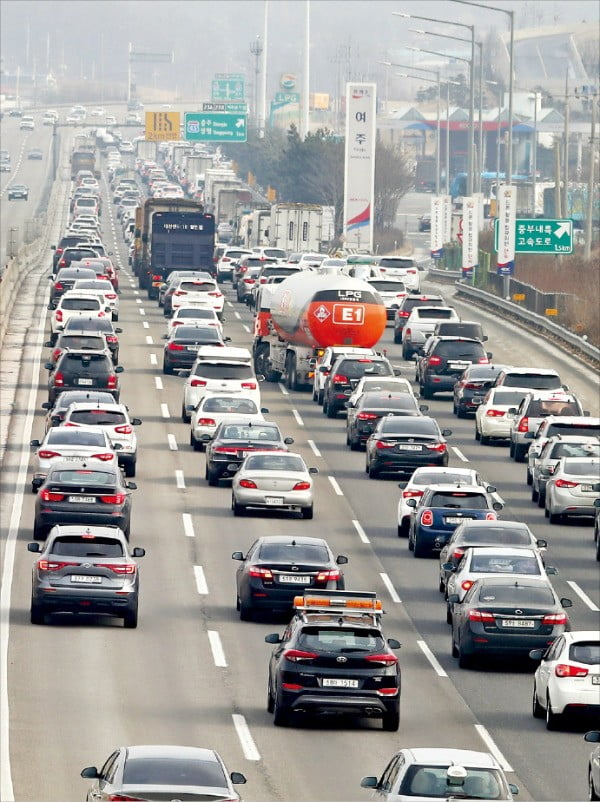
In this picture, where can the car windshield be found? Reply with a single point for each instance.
(85, 477)
(459, 500)
(507, 398)
(98, 417)
(587, 652)
(432, 782)
(173, 771)
(354, 369)
(274, 462)
(341, 639)
(244, 406)
(59, 436)
(533, 380)
(223, 371)
(87, 546)
(515, 595)
(294, 553)
(268, 434)
(500, 563)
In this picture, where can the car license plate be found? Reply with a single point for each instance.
(595, 679)
(274, 501)
(348, 392)
(587, 488)
(340, 683)
(86, 382)
(86, 580)
(409, 447)
(458, 365)
(453, 519)
(477, 399)
(292, 579)
(74, 459)
(517, 623)
(193, 348)
(82, 499)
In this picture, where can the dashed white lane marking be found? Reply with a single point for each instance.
(158, 383)
(142, 312)
(217, 648)
(136, 292)
(180, 480)
(361, 532)
(172, 442)
(246, 740)
(296, 415)
(583, 596)
(164, 411)
(459, 454)
(228, 303)
(149, 340)
(391, 589)
(491, 745)
(283, 389)
(432, 658)
(314, 448)
(145, 324)
(246, 328)
(237, 315)
(153, 359)
(138, 300)
(188, 526)
(201, 585)
(336, 487)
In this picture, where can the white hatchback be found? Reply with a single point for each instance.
(215, 374)
(75, 304)
(213, 409)
(103, 289)
(189, 288)
(491, 416)
(195, 313)
(70, 445)
(404, 268)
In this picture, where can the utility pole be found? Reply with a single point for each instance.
(566, 149)
(263, 89)
(256, 49)
(589, 226)
(534, 153)
(557, 196)
(306, 78)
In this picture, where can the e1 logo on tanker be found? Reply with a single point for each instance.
(346, 314)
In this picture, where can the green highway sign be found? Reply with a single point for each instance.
(215, 127)
(234, 108)
(539, 235)
(231, 88)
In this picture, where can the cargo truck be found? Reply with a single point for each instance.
(229, 202)
(212, 177)
(146, 150)
(84, 158)
(305, 314)
(195, 167)
(296, 226)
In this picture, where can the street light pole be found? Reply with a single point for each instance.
(590, 198)
(534, 153)
(566, 150)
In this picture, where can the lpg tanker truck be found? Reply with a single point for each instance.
(306, 313)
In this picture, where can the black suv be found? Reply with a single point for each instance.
(334, 659)
(66, 277)
(472, 386)
(76, 254)
(233, 440)
(95, 325)
(80, 370)
(406, 306)
(444, 359)
(344, 376)
(68, 241)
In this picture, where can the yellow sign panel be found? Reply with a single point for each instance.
(552, 312)
(162, 126)
(519, 296)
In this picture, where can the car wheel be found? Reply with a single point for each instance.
(541, 499)
(426, 392)
(39, 532)
(212, 478)
(246, 612)
(129, 468)
(464, 660)
(324, 407)
(237, 509)
(520, 452)
(421, 550)
(406, 352)
(167, 369)
(270, 700)
(454, 407)
(484, 439)
(115, 315)
(403, 529)
(184, 415)
(528, 476)
(448, 613)
(555, 517)
(354, 444)
(331, 411)
(593, 795)
(130, 619)
(37, 615)
(511, 450)
(411, 541)
(307, 512)
(281, 714)
(397, 338)
(552, 719)
(477, 433)
(454, 647)
(535, 495)
(536, 709)
(546, 511)
(373, 472)
(391, 721)
(460, 412)
(320, 398)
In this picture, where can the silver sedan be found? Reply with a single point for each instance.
(273, 481)
(572, 488)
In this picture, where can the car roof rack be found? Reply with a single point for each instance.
(363, 603)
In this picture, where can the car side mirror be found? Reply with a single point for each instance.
(322, 369)
(313, 470)
(238, 555)
(90, 773)
(117, 446)
(511, 411)
(415, 357)
(597, 502)
(489, 354)
(393, 643)
(497, 506)
(49, 366)
(53, 247)
(448, 567)
(264, 409)
(165, 337)
(530, 436)
(34, 443)
(227, 339)
(424, 408)
(446, 432)
(565, 386)
(272, 638)
(411, 503)
(514, 789)
(543, 544)
(551, 469)
(50, 306)
(491, 489)
(206, 438)
(397, 371)
(260, 377)
(349, 404)
(46, 405)
(566, 602)
(341, 559)
(536, 654)
(368, 782)
(131, 486)
(136, 421)
(551, 570)
(48, 344)
(118, 331)
(237, 778)
(288, 441)
(138, 552)
(586, 413)
(119, 369)
(453, 598)
(484, 339)
(35, 547)
(185, 373)
(592, 737)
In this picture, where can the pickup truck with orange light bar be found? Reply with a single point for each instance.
(310, 311)
(333, 659)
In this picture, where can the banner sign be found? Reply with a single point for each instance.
(507, 218)
(447, 202)
(359, 165)
(437, 227)
(470, 236)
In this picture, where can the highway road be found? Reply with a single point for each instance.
(192, 673)
(15, 213)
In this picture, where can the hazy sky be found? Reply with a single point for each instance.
(348, 37)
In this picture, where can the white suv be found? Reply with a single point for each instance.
(115, 421)
(229, 371)
(402, 267)
(76, 304)
(226, 262)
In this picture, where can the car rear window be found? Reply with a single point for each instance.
(583, 468)
(275, 462)
(83, 477)
(83, 304)
(98, 417)
(575, 450)
(587, 652)
(402, 425)
(432, 314)
(388, 286)
(243, 406)
(458, 350)
(173, 771)
(382, 401)
(387, 261)
(236, 254)
(91, 364)
(354, 369)
(87, 546)
(274, 253)
(508, 397)
(67, 437)
(410, 303)
(591, 430)
(533, 380)
(426, 479)
(197, 333)
(516, 595)
(255, 432)
(294, 553)
(211, 371)
(541, 408)
(492, 535)
(341, 640)
(500, 563)
(82, 341)
(277, 270)
(204, 313)
(96, 324)
(459, 501)
(196, 286)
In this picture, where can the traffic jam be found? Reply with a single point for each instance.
(232, 370)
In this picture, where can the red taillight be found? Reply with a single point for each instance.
(439, 447)
(260, 573)
(427, 518)
(111, 382)
(58, 379)
(225, 450)
(490, 516)
(175, 347)
(56, 353)
(50, 565)
(59, 250)
(412, 493)
(565, 483)
(48, 454)
(340, 379)
(47, 495)
(177, 323)
(291, 686)
(198, 383)
(158, 278)
(458, 553)
(481, 615)
(483, 360)
(111, 295)
(495, 413)
(298, 656)
(123, 798)
(118, 568)
(246, 281)
(59, 315)
(523, 425)
(111, 338)
(403, 313)
(180, 292)
(206, 422)
(383, 444)
(248, 483)
(383, 659)
(387, 691)
(248, 385)
(328, 576)
(62, 263)
(434, 360)
(412, 272)
(226, 259)
(471, 385)
(366, 416)
(467, 584)
(105, 456)
(215, 294)
(125, 429)
(117, 498)
(407, 332)
(555, 618)
(58, 286)
(566, 670)
(243, 269)
(301, 486)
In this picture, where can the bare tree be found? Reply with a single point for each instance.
(393, 179)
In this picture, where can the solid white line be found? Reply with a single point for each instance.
(172, 442)
(188, 526)
(142, 312)
(296, 415)
(583, 596)
(145, 324)
(459, 454)
(361, 532)
(283, 389)
(237, 315)
(164, 411)
(432, 658)
(247, 741)
(391, 589)
(491, 745)
(149, 340)
(180, 480)
(217, 648)
(315, 450)
(246, 328)
(158, 383)
(335, 486)
(201, 585)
